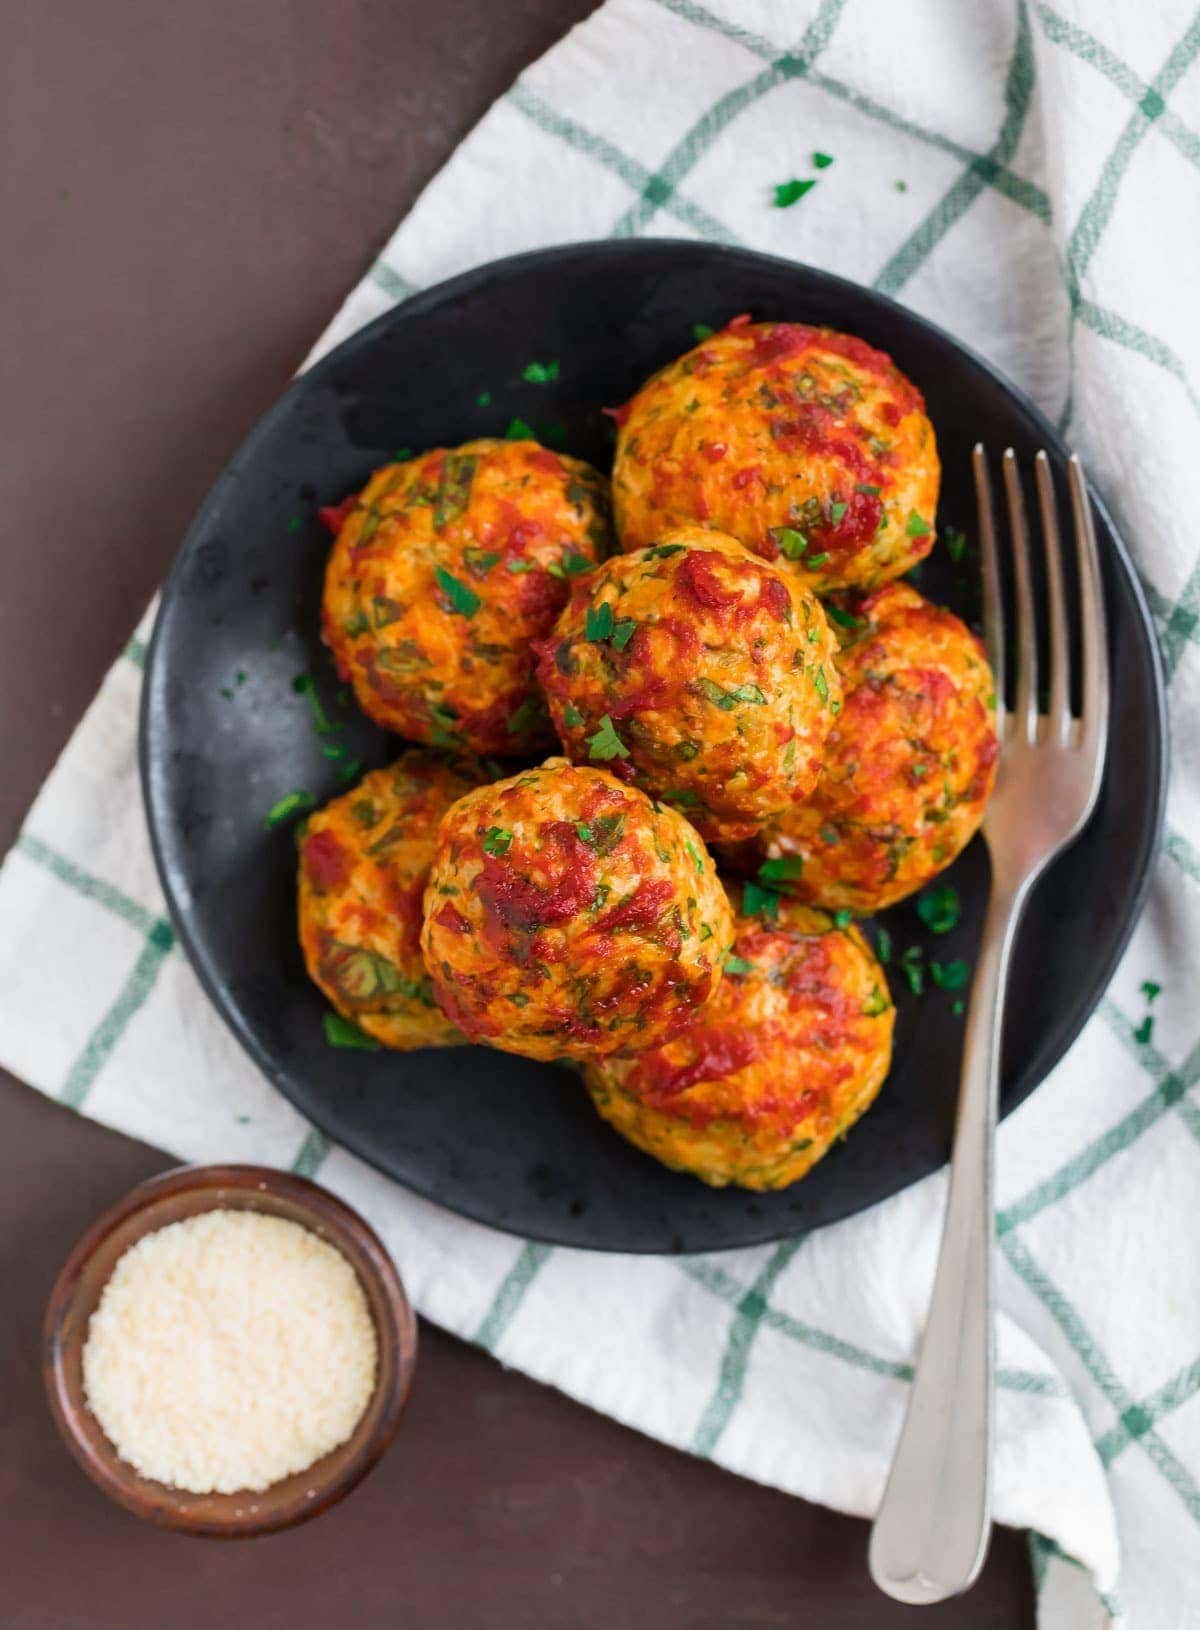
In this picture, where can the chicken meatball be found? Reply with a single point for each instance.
(909, 765)
(784, 1059)
(364, 861)
(808, 446)
(567, 916)
(443, 572)
(701, 674)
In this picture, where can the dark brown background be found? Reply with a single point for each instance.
(189, 192)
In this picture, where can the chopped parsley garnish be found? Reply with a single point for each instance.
(865, 486)
(602, 834)
(525, 717)
(782, 869)
(836, 510)
(842, 918)
(844, 619)
(572, 717)
(883, 945)
(956, 543)
(294, 803)
(305, 685)
(295, 524)
(481, 560)
(462, 599)
(790, 192)
(661, 551)
(910, 967)
(697, 857)
(518, 430)
(949, 975)
(939, 908)
(759, 902)
(958, 1008)
(738, 965)
(341, 1032)
(622, 633)
(813, 561)
(702, 332)
(484, 399)
(403, 455)
(821, 684)
(917, 526)
(822, 161)
(901, 186)
(572, 564)
(791, 543)
(1144, 1031)
(727, 700)
(453, 489)
(875, 1004)
(1150, 990)
(584, 832)
(606, 743)
(519, 565)
(540, 373)
(496, 840)
(598, 622)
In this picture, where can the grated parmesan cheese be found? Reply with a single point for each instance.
(228, 1351)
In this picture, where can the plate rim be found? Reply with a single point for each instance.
(475, 279)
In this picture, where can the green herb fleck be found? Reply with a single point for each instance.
(791, 544)
(305, 685)
(821, 684)
(572, 564)
(540, 373)
(883, 945)
(782, 869)
(526, 717)
(842, 918)
(697, 857)
(454, 488)
(727, 700)
(496, 840)
(702, 332)
(949, 975)
(295, 524)
(813, 561)
(1144, 1031)
(822, 161)
(1150, 990)
(917, 526)
(956, 543)
(598, 622)
(484, 399)
(958, 1008)
(662, 551)
(622, 633)
(939, 908)
(572, 717)
(760, 902)
(341, 1032)
(901, 186)
(876, 1003)
(518, 430)
(790, 192)
(738, 965)
(837, 510)
(294, 803)
(844, 619)
(606, 743)
(462, 599)
(910, 967)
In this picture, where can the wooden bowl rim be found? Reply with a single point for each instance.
(293, 1499)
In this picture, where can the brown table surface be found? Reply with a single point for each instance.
(189, 192)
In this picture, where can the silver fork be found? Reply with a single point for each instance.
(932, 1528)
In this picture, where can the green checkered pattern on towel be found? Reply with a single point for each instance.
(1060, 245)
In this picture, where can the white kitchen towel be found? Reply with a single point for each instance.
(1029, 176)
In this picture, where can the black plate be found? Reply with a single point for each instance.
(512, 1143)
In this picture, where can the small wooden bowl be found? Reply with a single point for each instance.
(168, 1198)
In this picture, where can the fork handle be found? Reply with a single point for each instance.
(931, 1531)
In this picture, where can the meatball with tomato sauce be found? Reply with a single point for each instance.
(808, 446)
(703, 675)
(567, 916)
(784, 1059)
(909, 765)
(364, 861)
(443, 572)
